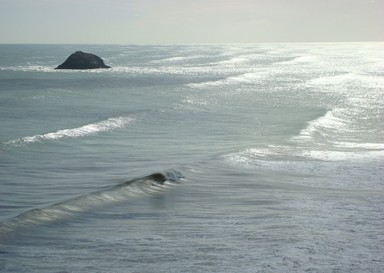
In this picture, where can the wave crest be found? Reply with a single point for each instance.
(150, 185)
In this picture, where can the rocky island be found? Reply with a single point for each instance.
(82, 60)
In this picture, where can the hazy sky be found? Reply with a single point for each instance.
(190, 21)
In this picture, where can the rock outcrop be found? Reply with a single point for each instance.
(82, 60)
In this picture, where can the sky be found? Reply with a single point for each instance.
(190, 21)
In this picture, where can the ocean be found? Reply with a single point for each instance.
(193, 158)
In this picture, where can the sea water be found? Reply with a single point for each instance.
(193, 158)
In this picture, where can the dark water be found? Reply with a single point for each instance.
(211, 158)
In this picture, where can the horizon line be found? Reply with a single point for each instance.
(202, 43)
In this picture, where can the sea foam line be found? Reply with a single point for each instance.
(86, 130)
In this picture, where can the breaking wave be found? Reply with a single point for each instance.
(86, 130)
(324, 126)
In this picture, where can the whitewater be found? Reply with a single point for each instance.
(193, 158)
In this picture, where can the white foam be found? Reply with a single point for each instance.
(175, 59)
(30, 68)
(354, 145)
(49, 69)
(342, 155)
(344, 78)
(235, 60)
(86, 130)
(253, 156)
(355, 168)
(136, 70)
(301, 60)
(239, 60)
(352, 120)
(193, 101)
(161, 70)
(246, 78)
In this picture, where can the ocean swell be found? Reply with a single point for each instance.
(150, 185)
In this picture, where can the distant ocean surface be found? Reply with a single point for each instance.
(193, 158)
